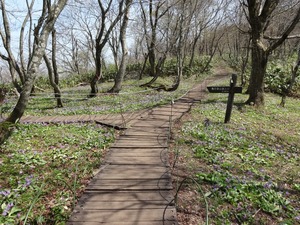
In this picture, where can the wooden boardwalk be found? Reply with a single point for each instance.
(133, 186)
(113, 120)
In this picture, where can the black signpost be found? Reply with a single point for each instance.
(232, 89)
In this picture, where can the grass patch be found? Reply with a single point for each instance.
(248, 169)
(45, 167)
(75, 100)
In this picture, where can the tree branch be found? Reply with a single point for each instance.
(274, 38)
(268, 8)
(287, 31)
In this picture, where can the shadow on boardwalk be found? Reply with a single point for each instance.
(134, 184)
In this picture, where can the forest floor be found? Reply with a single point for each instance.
(243, 172)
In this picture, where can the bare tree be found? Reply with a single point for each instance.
(15, 67)
(114, 44)
(42, 30)
(151, 19)
(52, 71)
(260, 15)
(291, 82)
(102, 38)
(122, 69)
(204, 15)
(76, 37)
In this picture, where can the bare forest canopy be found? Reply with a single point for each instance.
(80, 37)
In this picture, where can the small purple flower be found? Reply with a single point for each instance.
(7, 209)
(5, 193)
(28, 181)
(297, 218)
(268, 185)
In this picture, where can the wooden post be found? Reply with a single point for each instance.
(230, 97)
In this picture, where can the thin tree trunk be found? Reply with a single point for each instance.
(101, 40)
(57, 92)
(55, 78)
(152, 59)
(98, 74)
(20, 107)
(245, 63)
(144, 66)
(157, 72)
(195, 41)
(291, 82)
(122, 69)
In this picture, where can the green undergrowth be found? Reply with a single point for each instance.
(45, 167)
(248, 169)
(76, 101)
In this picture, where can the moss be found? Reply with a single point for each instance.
(6, 129)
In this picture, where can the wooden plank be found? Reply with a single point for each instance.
(41, 119)
(175, 109)
(91, 196)
(149, 129)
(158, 149)
(128, 188)
(142, 132)
(144, 160)
(146, 125)
(121, 205)
(137, 138)
(141, 137)
(162, 113)
(130, 185)
(125, 182)
(159, 117)
(140, 145)
(130, 175)
(125, 223)
(129, 152)
(133, 216)
(133, 172)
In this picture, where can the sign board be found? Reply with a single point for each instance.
(224, 89)
(232, 89)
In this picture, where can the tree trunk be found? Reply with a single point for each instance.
(144, 66)
(57, 92)
(101, 40)
(20, 107)
(42, 32)
(120, 75)
(157, 72)
(122, 69)
(291, 82)
(193, 50)
(258, 71)
(152, 59)
(98, 74)
(245, 61)
(54, 77)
